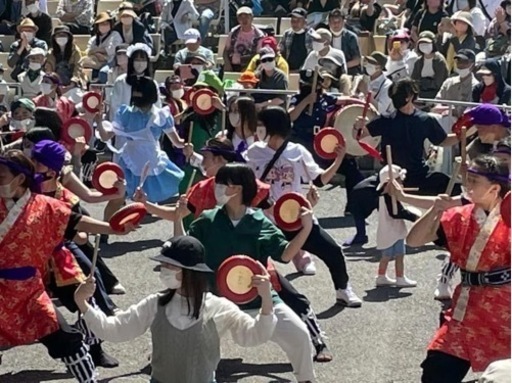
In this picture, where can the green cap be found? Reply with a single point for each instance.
(24, 103)
(209, 78)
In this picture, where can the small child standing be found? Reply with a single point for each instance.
(391, 232)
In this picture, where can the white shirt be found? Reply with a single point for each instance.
(489, 5)
(30, 89)
(137, 319)
(389, 229)
(428, 67)
(312, 59)
(379, 88)
(109, 44)
(480, 22)
(294, 164)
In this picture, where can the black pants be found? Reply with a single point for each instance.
(320, 243)
(440, 367)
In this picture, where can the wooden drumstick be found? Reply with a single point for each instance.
(410, 189)
(463, 153)
(190, 131)
(389, 158)
(223, 122)
(95, 254)
(191, 181)
(313, 90)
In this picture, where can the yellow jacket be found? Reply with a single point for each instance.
(280, 63)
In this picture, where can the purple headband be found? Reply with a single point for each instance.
(35, 180)
(492, 177)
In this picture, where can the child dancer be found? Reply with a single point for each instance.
(391, 232)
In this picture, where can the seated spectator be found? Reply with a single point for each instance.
(319, 9)
(480, 22)
(51, 97)
(17, 60)
(271, 42)
(242, 43)
(363, 15)
(296, 41)
(189, 72)
(10, 15)
(430, 70)
(248, 80)
(130, 28)
(174, 22)
(193, 46)
(5, 99)
(119, 65)
(401, 59)
(379, 84)
(101, 47)
(346, 41)
(322, 39)
(65, 59)
(500, 24)
(22, 118)
(143, 6)
(459, 87)
(492, 88)
(461, 37)
(428, 18)
(208, 10)
(269, 77)
(30, 80)
(77, 15)
(40, 18)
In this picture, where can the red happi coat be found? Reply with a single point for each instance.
(478, 323)
(29, 233)
(202, 195)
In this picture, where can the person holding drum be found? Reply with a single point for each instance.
(283, 164)
(405, 131)
(248, 231)
(186, 321)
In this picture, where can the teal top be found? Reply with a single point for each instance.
(255, 236)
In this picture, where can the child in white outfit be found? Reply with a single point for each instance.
(391, 232)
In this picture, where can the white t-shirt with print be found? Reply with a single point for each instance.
(294, 164)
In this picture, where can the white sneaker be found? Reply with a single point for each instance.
(118, 289)
(304, 263)
(443, 292)
(405, 282)
(384, 280)
(309, 268)
(348, 297)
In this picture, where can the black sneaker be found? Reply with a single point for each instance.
(101, 358)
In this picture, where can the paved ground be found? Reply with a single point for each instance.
(382, 342)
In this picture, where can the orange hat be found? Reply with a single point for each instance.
(247, 77)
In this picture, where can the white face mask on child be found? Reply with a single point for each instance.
(169, 278)
(220, 195)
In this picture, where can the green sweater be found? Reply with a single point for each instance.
(255, 236)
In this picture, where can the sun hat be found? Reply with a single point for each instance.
(248, 77)
(185, 252)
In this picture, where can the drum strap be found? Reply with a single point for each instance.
(274, 159)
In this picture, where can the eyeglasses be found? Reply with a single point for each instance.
(267, 60)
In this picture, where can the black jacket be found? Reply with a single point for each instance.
(140, 34)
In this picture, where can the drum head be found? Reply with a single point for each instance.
(105, 176)
(505, 209)
(133, 213)
(92, 102)
(287, 211)
(344, 123)
(234, 277)
(76, 127)
(189, 94)
(325, 143)
(202, 102)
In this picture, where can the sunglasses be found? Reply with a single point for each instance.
(267, 60)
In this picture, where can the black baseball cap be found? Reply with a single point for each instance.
(466, 54)
(185, 252)
(335, 13)
(299, 12)
(377, 58)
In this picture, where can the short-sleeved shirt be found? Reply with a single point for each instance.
(277, 80)
(406, 135)
(426, 21)
(254, 235)
(303, 126)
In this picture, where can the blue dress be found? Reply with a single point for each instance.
(142, 132)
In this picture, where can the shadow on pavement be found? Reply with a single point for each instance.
(34, 376)
(294, 276)
(384, 294)
(336, 222)
(146, 370)
(116, 249)
(331, 311)
(231, 370)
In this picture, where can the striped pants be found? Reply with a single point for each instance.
(448, 271)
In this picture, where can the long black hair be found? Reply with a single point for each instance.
(68, 49)
(248, 116)
(96, 32)
(276, 120)
(194, 285)
(130, 73)
(239, 175)
(48, 118)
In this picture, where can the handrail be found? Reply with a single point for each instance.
(262, 91)
(458, 103)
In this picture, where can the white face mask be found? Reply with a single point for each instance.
(178, 93)
(127, 20)
(140, 66)
(488, 80)
(234, 119)
(61, 41)
(169, 278)
(370, 69)
(337, 34)
(261, 133)
(318, 46)
(7, 191)
(465, 193)
(46, 88)
(198, 68)
(34, 66)
(21, 125)
(300, 31)
(220, 195)
(425, 48)
(29, 35)
(269, 65)
(33, 8)
(462, 72)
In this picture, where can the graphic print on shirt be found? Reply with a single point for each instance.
(281, 176)
(243, 45)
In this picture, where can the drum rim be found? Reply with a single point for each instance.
(292, 226)
(100, 168)
(136, 207)
(222, 273)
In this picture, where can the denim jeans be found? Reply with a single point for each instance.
(206, 15)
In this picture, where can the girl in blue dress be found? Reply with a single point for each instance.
(141, 126)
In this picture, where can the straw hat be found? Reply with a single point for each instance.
(126, 9)
(463, 16)
(102, 17)
(27, 23)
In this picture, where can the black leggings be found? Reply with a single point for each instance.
(109, 279)
(440, 367)
(321, 244)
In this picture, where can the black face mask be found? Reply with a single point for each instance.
(44, 176)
